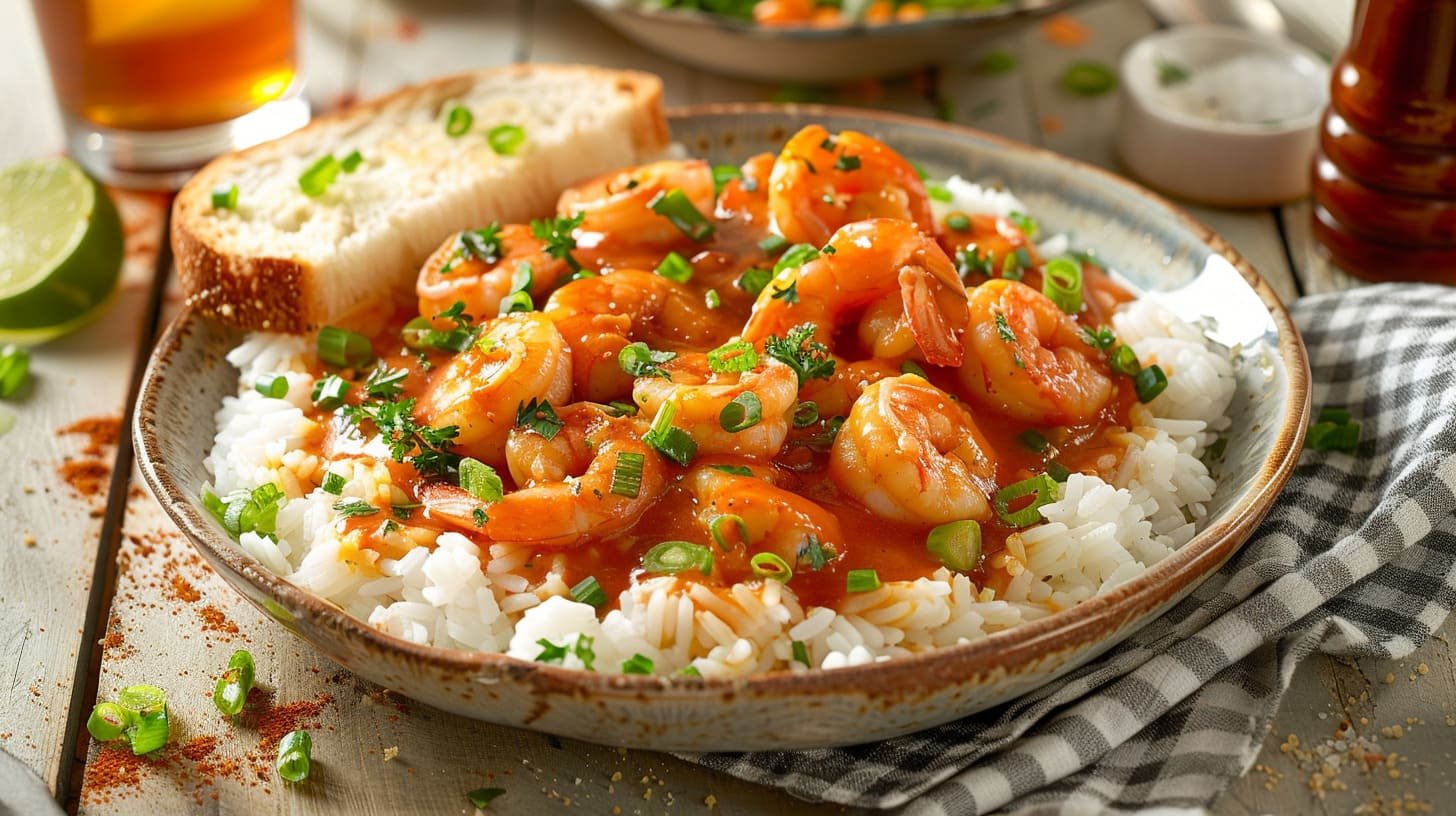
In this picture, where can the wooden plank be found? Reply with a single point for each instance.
(1317, 275)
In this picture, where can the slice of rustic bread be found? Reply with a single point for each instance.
(286, 261)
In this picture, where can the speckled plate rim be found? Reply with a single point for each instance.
(1005, 12)
(997, 654)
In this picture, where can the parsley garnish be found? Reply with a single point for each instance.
(846, 162)
(427, 448)
(484, 244)
(479, 517)
(970, 260)
(550, 652)
(813, 555)
(348, 508)
(555, 233)
(788, 294)
(539, 416)
(1004, 329)
(1101, 339)
(800, 351)
(385, 382)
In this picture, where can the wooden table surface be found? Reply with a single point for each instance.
(100, 591)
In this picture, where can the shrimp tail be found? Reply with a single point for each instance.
(937, 312)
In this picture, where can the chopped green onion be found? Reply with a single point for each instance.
(333, 483)
(675, 207)
(639, 360)
(352, 161)
(674, 443)
(715, 527)
(1025, 223)
(1086, 78)
(735, 357)
(1035, 442)
(912, 367)
(637, 664)
(770, 566)
(957, 544)
(862, 580)
(480, 480)
(343, 348)
(1171, 73)
(589, 591)
(109, 721)
(797, 255)
(619, 409)
(540, 417)
(353, 506)
(672, 557)
(938, 192)
(627, 474)
(481, 797)
(753, 280)
(1040, 488)
(516, 302)
(958, 222)
(1338, 416)
(506, 140)
(1101, 339)
(141, 699)
(550, 652)
(773, 244)
(151, 731)
(1061, 281)
(801, 653)
(806, 414)
(675, 268)
(734, 470)
(384, 382)
(294, 756)
(1149, 383)
(712, 299)
(1123, 360)
(233, 686)
(315, 181)
(458, 120)
(846, 162)
(272, 385)
(1331, 436)
(788, 294)
(741, 413)
(722, 174)
(329, 391)
(997, 62)
(521, 279)
(688, 671)
(225, 198)
(246, 511)
(1058, 472)
(14, 369)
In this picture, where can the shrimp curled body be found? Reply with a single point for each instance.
(1027, 359)
(910, 453)
(699, 396)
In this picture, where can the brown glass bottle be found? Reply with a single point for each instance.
(1385, 173)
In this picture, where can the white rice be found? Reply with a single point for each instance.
(445, 591)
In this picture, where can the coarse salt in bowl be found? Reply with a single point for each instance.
(1221, 115)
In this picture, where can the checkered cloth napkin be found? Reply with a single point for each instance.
(1357, 558)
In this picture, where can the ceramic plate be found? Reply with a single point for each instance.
(1149, 242)
(810, 54)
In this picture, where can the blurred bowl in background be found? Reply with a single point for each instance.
(1221, 115)
(810, 54)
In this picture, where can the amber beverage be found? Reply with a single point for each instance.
(169, 82)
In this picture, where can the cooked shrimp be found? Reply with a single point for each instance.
(598, 316)
(776, 520)
(991, 237)
(699, 396)
(1026, 358)
(457, 273)
(822, 182)
(573, 500)
(870, 260)
(780, 12)
(615, 207)
(746, 198)
(909, 452)
(518, 358)
(884, 329)
(835, 395)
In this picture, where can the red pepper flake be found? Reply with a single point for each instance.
(215, 620)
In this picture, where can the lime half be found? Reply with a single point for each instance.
(60, 249)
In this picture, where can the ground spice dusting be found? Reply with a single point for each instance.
(183, 590)
(199, 748)
(214, 620)
(101, 432)
(88, 477)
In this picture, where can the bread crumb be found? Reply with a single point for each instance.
(29, 541)
(1422, 668)
(616, 776)
(391, 752)
(1389, 678)
(711, 801)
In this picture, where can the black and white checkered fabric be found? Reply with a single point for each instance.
(1358, 558)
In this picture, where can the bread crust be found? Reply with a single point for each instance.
(272, 293)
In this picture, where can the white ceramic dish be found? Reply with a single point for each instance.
(809, 54)
(1203, 139)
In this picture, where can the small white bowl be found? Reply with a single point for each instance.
(1238, 130)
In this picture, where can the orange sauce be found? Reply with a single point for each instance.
(895, 550)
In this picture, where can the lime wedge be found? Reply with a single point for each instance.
(60, 249)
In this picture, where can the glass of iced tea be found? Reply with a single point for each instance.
(149, 90)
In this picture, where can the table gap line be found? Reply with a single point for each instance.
(1294, 268)
(87, 670)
